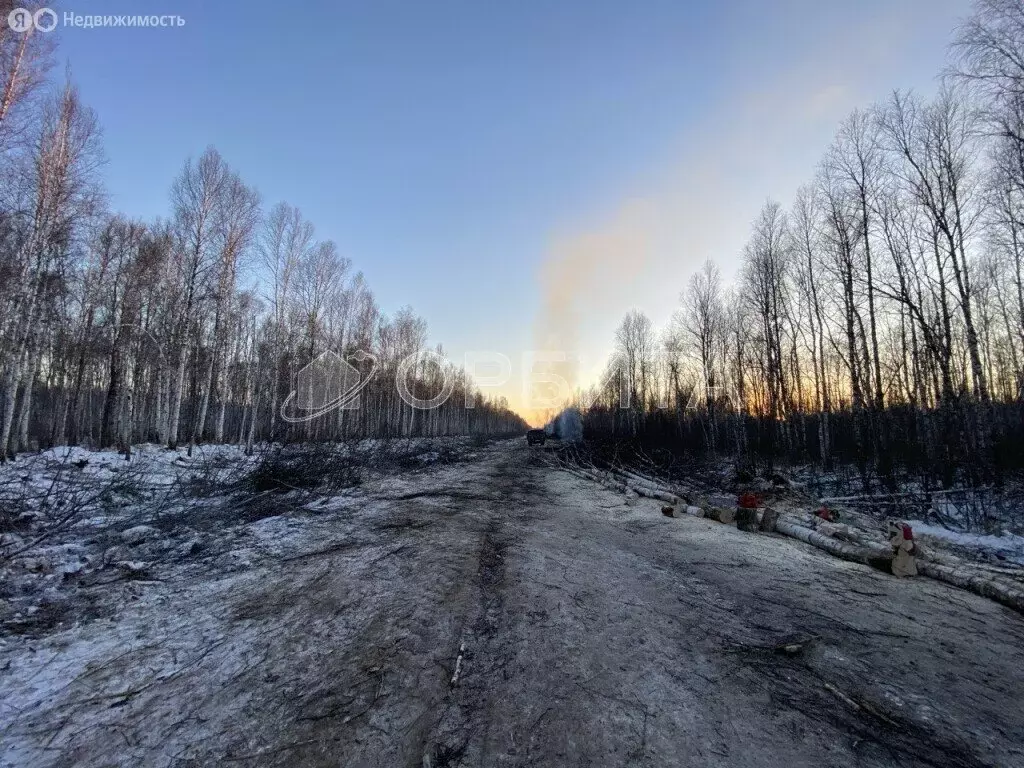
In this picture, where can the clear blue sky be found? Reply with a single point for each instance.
(446, 145)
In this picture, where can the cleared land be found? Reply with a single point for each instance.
(592, 632)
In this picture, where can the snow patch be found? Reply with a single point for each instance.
(1006, 546)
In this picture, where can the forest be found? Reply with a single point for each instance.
(875, 324)
(189, 328)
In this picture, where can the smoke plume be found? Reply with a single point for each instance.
(582, 272)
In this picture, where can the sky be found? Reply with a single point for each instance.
(521, 173)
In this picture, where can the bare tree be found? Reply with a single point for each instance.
(283, 244)
(56, 194)
(235, 216)
(635, 343)
(806, 232)
(25, 61)
(702, 320)
(766, 285)
(195, 196)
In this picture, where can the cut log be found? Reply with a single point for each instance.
(645, 487)
(846, 533)
(992, 587)
(856, 554)
(634, 479)
(649, 493)
(769, 519)
(720, 515)
(880, 556)
(746, 519)
(601, 478)
(903, 560)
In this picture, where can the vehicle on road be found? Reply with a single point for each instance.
(536, 436)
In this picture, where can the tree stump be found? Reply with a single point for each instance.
(746, 518)
(903, 550)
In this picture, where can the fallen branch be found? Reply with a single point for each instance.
(787, 648)
(841, 696)
(458, 665)
(860, 706)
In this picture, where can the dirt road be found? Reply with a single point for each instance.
(593, 633)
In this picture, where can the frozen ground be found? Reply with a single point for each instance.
(592, 632)
(1007, 546)
(983, 525)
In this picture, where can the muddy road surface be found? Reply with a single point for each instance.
(502, 612)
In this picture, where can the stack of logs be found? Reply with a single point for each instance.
(856, 548)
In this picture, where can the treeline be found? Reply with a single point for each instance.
(878, 322)
(114, 331)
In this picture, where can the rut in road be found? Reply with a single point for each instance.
(467, 709)
(684, 634)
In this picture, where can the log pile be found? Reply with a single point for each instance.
(856, 553)
(1002, 591)
(626, 482)
(880, 556)
(845, 542)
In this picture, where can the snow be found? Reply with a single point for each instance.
(151, 466)
(163, 602)
(138, 534)
(276, 535)
(590, 632)
(72, 519)
(1007, 546)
